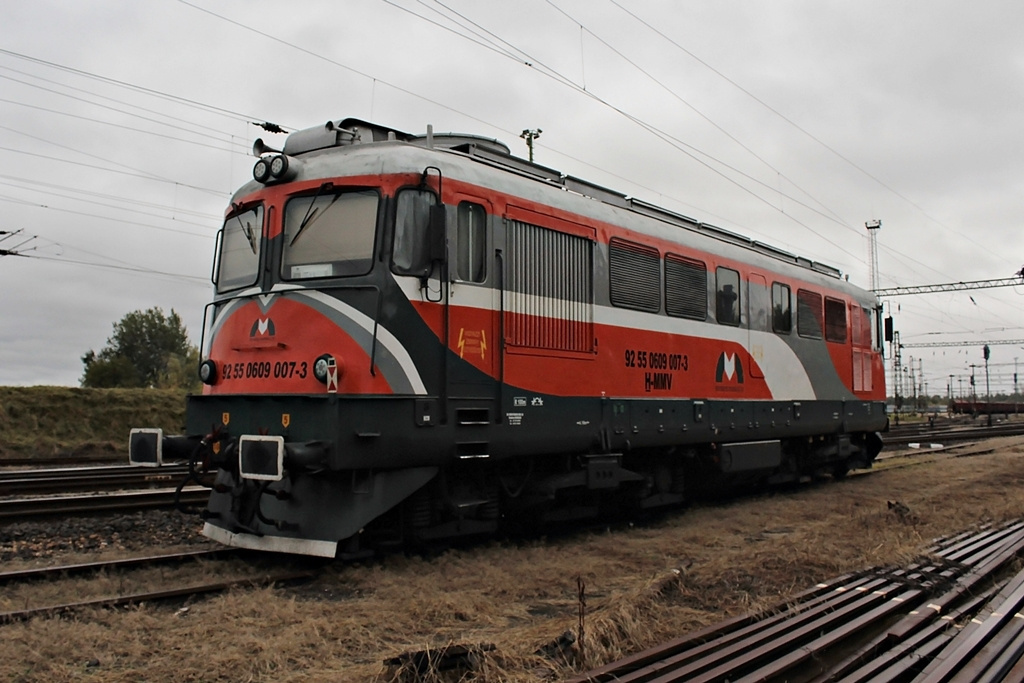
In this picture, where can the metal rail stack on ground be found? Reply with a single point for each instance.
(953, 616)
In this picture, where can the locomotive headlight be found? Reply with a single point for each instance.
(279, 166)
(321, 366)
(261, 171)
(208, 372)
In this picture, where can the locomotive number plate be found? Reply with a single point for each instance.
(281, 369)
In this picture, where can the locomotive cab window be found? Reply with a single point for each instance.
(782, 313)
(238, 260)
(727, 297)
(411, 251)
(471, 243)
(835, 320)
(329, 234)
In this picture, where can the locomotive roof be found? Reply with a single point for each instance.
(495, 154)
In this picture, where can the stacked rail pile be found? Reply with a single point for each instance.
(953, 616)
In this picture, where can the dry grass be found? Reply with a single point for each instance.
(643, 585)
(64, 421)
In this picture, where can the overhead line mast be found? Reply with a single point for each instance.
(873, 228)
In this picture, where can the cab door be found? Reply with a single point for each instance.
(862, 348)
(758, 299)
(472, 301)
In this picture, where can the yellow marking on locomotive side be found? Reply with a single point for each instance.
(474, 341)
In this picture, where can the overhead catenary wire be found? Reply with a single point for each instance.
(91, 101)
(505, 49)
(803, 130)
(143, 175)
(132, 223)
(579, 80)
(506, 52)
(132, 86)
(238, 149)
(673, 141)
(63, 189)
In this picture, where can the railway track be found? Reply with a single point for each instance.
(66, 491)
(58, 571)
(20, 509)
(193, 588)
(107, 478)
(118, 482)
(950, 616)
(62, 461)
(903, 437)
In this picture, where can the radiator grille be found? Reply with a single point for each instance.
(686, 287)
(635, 275)
(549, 299)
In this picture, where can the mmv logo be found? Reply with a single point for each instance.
(729, 369)
(263, 327)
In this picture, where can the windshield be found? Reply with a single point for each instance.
(239, 258)
(329, 235)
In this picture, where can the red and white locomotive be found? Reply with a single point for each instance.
(422, 336)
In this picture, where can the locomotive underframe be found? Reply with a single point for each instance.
(360, 473)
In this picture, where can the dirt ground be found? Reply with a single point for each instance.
(641, 585)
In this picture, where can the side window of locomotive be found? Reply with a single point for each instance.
(411, 251)
(835, 320)
(808, 314)
(634, 273)
(471, 243)
(686, 287)
(782, 312)
(862, 330)
(329, 235)
(238, 260)
(727, 297)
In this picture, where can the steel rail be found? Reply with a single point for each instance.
(948, 617)
(155, 596)
(22, 482)
(963, 434)
(52, 572)
(53, 506)
(62, 461)
(82, 471)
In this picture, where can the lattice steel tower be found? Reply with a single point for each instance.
(873, 228)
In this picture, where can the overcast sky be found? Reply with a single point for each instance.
(125, 126)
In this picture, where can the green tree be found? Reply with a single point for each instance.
(147, 349)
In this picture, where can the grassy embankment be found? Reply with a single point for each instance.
(48, 422)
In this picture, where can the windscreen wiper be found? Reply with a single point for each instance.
(311, 212)
(246, 228)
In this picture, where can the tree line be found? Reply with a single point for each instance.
(147, 349)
